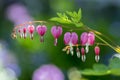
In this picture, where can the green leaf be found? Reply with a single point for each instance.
(68, 17)
(61, 20)
(98, 70)
(75, 16)
(79, 24)
(80, 13)
(70, 13)
(60, 15)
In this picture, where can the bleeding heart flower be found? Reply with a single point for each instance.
(71, 39)
(41, 29)
(83, 54)
(87, 39)
(97, 52)
(24, 32)
(56, 32)
(31, 29)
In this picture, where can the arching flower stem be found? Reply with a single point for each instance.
(111, 44)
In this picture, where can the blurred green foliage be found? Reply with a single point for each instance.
(42, 10)
(100, 69)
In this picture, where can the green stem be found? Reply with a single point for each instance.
(114, 47)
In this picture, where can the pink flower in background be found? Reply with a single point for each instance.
(8, 63)
(18, 14)
(48, 72)
(41, 29)
(56, 32)
(71, 39)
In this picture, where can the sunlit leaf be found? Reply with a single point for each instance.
(59, 20)
(72, 18)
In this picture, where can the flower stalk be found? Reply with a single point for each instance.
(70, 38)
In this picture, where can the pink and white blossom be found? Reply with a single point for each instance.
(56, 32)
(41, 29)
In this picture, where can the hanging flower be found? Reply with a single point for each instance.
(84, 38)
(31, 30)
(56, 32)
(97, 52)
(20, 33)
(41, 29)
(71, 39)
(87, 39)
(24, 32)
(83, 54)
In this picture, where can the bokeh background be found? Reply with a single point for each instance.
(22, 57)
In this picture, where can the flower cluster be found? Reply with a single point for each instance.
(71, 39)
(40, 29)
(86, 40)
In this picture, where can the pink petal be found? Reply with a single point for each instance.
(83, 51)
(67, 37)
(74, 38)
(41, 30)
(84, 38)
(31, 29)
(97, 50)
(56, 31)
(91, 38)
(24, 30)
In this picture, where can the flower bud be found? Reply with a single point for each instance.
(24, 32)
(83, 54)
(97, 52)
